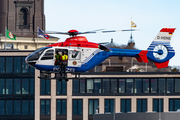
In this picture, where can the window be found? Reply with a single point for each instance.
(32, 86)
(75, 86)
(45, 87)
(109, 105)
(9, 86)
(25, 67)
(97, 85)
(113, 85)
(61, 87)
(170, 85)
(31, 107)
(174, 104)
(25, 86)
(145, 85)
(2, 107)
(138, 86)
(82, 85)
(74, 55)
(48, 55)
(17, 86)
(23, 16)
(158, 105)
(9, 108)
(77, 107)
(129, 85)
(17, 64)
(141, 105)
(25, 47)
(125, 105)
(25, 107)
(161, 85)
(177, 84)
(2, 64)
(61, 107)
(89, 85)
(106, 85)
(9, 64)
(153, 85)
(45, 107)
(17, 107)
(2, 87)
(121, 85)
(93, 106)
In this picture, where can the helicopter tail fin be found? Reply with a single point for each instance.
(160, 50)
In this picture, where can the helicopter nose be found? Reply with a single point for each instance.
(28, 61)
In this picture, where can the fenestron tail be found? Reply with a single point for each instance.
(160, 50)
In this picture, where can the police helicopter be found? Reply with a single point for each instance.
(84, 55)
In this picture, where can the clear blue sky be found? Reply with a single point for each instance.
(85, 15)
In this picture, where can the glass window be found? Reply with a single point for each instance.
(45, 87)
(9, 86)
(75, 86)
(17, 86)
(45, 107)
(125, 105)
(25, 86)
(141, 105)
(77, 107)
(74, 55)
(82, 85)
(31, 107)
(177, 84)
(161, 85)
(17, 64)
(25, 107)
(32, 86)
(129, 85)
(61, 87)
(174, 104)
(121, 85)
(145, 85)
(25, 67)
(2, 107)
(9, 64)
(9, 107)
(153, 85)
(2, 86)
(61, 107)
(32, 70)
(109, 105)
(138, 86)
(97, 85)
(93, 106)
(113, 85)
(158, 105)
(170, 85)
(2, 64)
(106, 86)
(89, 85)
(17, 107)
(48, 55)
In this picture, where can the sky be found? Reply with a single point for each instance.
(86, 15)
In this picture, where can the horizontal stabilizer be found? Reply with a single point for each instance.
(143, 56)
(161, 65)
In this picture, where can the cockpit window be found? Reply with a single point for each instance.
(74, 55)
(48, 55)
(35, 55)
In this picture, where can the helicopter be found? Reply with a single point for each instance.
(84, 55)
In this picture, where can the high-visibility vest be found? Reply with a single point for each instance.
(57, 56)
(64, 57)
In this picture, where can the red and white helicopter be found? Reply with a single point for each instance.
(84, 55)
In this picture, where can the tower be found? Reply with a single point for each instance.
(22, 17)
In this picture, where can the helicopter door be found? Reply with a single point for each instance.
(74, 58)
(47, 58)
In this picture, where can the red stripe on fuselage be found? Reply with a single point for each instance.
(77, 41)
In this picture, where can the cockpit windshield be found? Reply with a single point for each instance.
(35, 55)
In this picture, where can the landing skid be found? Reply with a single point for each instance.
(58, 76)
